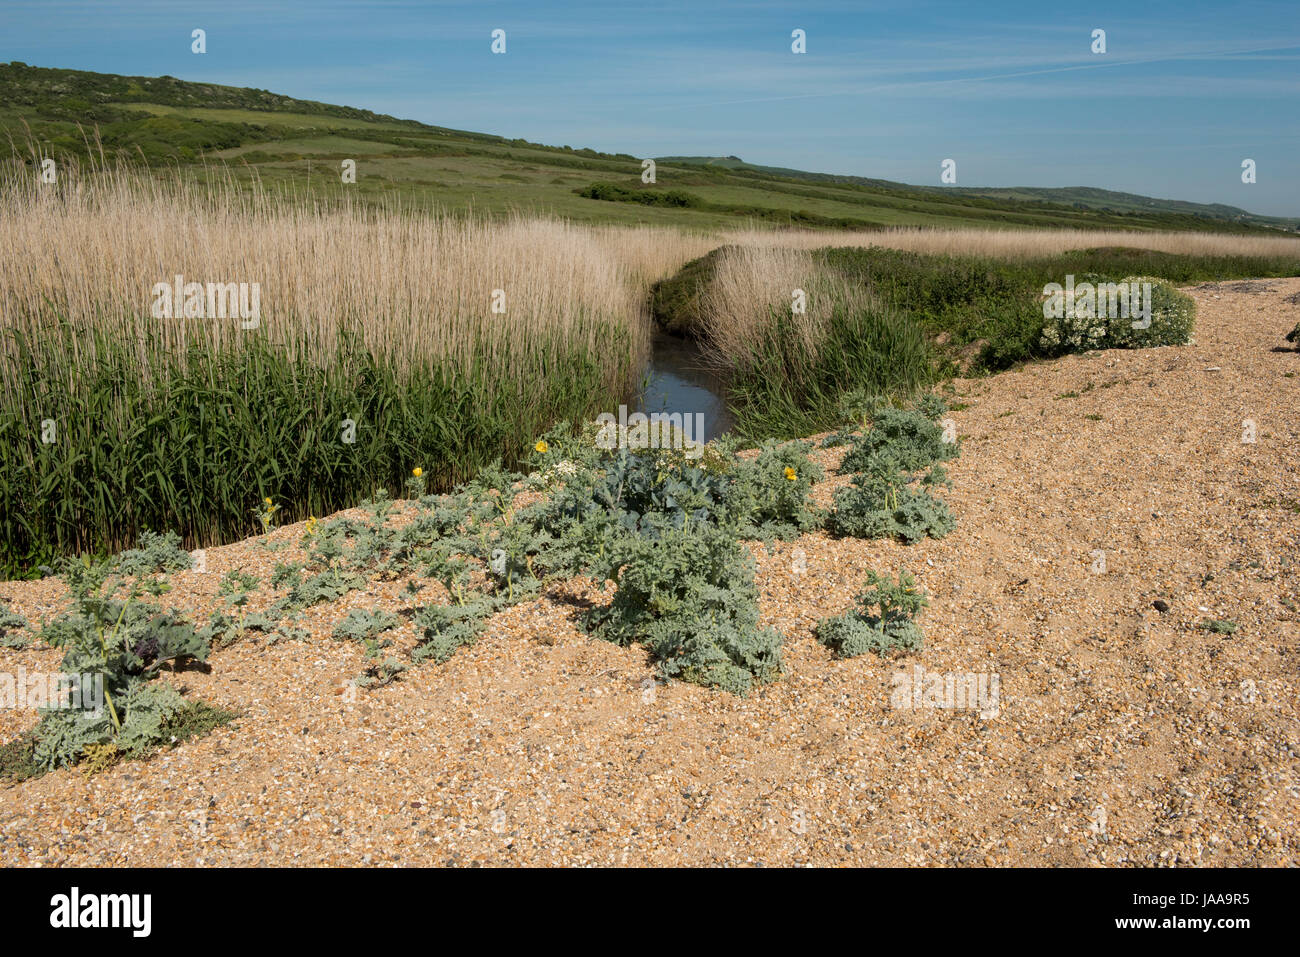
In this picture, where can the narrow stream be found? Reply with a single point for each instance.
(677, 380)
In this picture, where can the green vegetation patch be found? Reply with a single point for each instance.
(675, 301)
(214, 432)
(995, 307)
(675, 199)
(884, 621)
(787, 387)
(1103, 317)
(108, 705)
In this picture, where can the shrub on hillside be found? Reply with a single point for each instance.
(612, 192)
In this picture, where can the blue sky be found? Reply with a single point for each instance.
(1010, 90)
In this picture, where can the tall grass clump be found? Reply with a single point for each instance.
(790, 357)
(113, 421)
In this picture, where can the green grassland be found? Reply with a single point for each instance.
(298, 145)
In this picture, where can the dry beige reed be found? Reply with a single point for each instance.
(1019, 243)
(415, 287)
(752, 282)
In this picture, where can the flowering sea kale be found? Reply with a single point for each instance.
(1134, 313)
(770, 495)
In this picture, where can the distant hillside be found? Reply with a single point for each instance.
(298, 145)
(1079, 197)
(77, 89)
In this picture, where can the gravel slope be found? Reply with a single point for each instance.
(1123, 735)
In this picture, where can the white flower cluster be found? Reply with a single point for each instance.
(1074, 334)
(1171, 319)
(558, 473)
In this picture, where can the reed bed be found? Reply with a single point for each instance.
(751, 282)
(382, 318)
(416, 289)
(1015, 244)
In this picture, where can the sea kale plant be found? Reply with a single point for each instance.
(366, 627)
(883, 622)
(234, 620)
(1098, 322)
(908, 438)
(667, 529)
(154, 553)
(769, 496)
(688, 595)
(362, 625)
(122, 642)
(580, 527)
(11, 627)
(446, 628)
(897, 463)
(884, 502)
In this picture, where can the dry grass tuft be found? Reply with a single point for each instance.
(752, 283)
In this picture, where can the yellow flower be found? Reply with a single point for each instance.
(267, 501)
(417, 472)
(790, 473)
(541, 446)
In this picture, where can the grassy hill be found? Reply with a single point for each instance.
(1076, 197)
(299, 145)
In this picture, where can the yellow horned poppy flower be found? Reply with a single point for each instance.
(541, 446)
(790, 473)
(417, 472)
